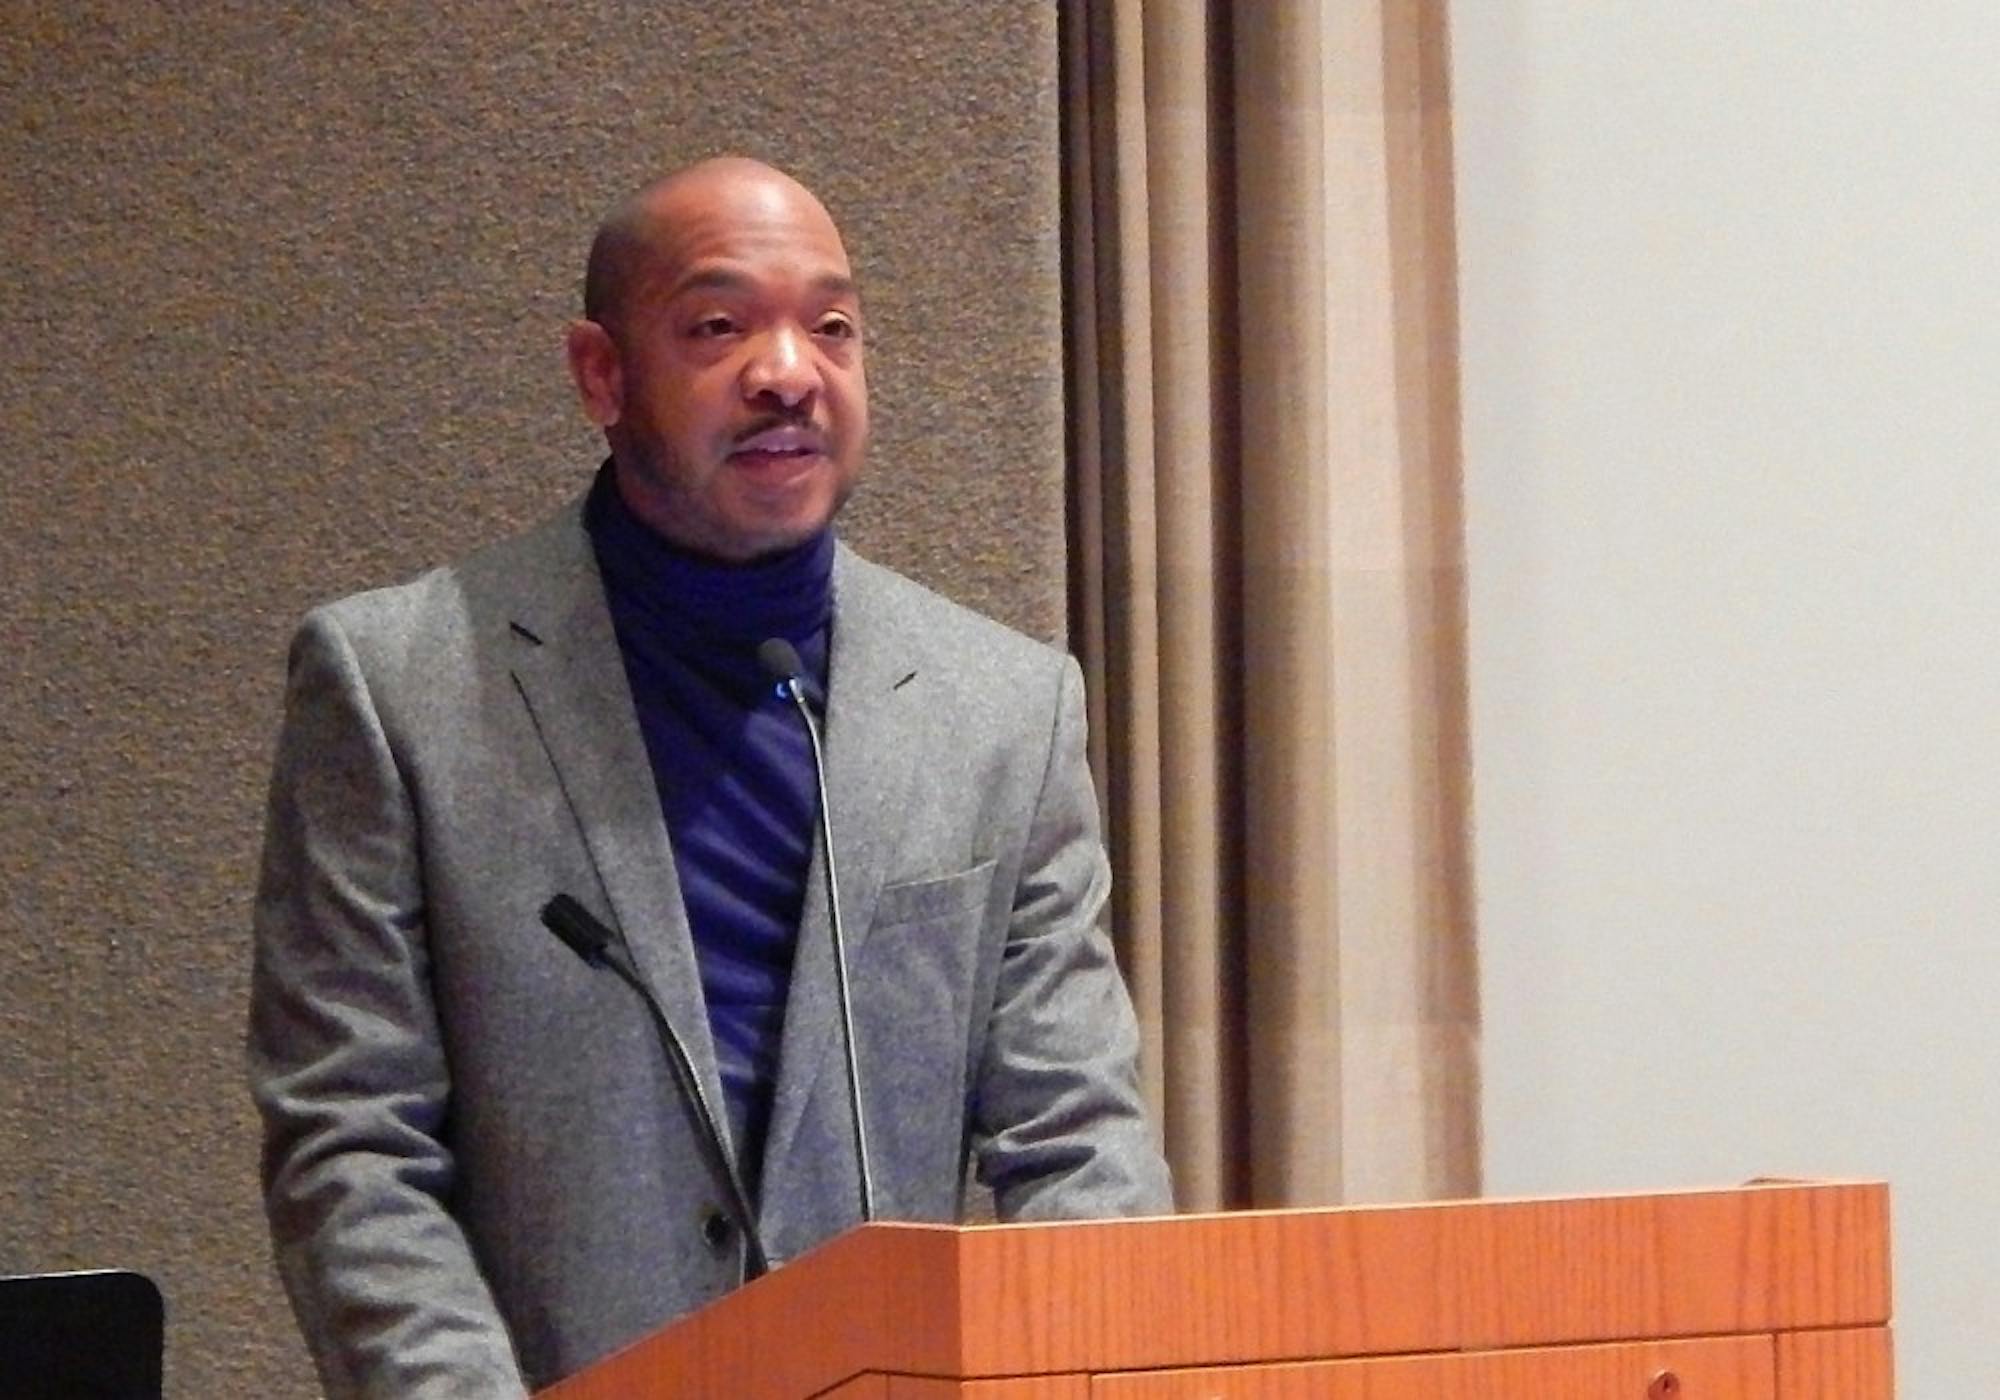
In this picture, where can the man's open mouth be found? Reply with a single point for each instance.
(778, 444)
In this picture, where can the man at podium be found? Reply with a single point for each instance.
(546, 1025)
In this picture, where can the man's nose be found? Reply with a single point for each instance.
(782, 365)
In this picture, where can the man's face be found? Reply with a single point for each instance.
(742, 408)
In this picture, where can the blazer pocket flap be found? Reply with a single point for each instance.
(934, 898)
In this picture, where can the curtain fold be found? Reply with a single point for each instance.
(1267, 584)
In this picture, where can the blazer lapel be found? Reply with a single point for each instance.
(572, 676)
(869, 748)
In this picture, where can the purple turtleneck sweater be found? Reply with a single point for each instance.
(732, 764)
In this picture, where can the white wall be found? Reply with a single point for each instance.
(1731, 279)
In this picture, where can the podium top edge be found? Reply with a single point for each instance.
(1760, 1185)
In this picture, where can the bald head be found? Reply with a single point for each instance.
(638, 238)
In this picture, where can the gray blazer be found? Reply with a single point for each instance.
(478, 1171)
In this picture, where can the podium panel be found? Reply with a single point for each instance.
(1741, 1368)
(879, 1387)
(1775, 1291)
(1846, 1362)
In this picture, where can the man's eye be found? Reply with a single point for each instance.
(836, 328)
(711, 326)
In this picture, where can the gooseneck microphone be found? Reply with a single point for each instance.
(587, 937)
(781, 660)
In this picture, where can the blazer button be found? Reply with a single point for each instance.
(717, 1231)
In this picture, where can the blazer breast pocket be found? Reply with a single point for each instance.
(943, 897)
(922, 953)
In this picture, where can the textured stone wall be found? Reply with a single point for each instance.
(283, 290)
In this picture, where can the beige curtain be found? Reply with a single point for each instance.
(1268, 588)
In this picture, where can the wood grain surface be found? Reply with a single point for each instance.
(1724, 1368)
(876, 1386)
(1251, 1287)
(1847, 1363)
(924, 1306)
(879, 1299)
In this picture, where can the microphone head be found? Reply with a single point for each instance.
(780, 659)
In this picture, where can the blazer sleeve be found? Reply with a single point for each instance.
(346, 1064)
(1059, 1128)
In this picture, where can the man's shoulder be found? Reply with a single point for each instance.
(935, 624)
(520, 565)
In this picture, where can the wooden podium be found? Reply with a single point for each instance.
(1777, 1291)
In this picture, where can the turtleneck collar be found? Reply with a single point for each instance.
(701, 604)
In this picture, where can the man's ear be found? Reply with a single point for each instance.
(595, 367)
